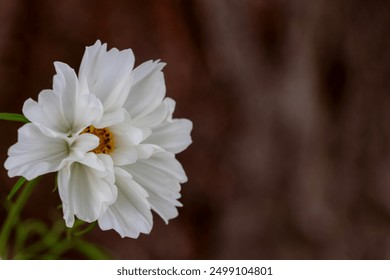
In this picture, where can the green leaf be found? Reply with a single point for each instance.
(13, 117)
(13, 216)
(16, 187)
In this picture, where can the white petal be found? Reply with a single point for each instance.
(63, 189)
(84, 143)
(107, 74)
(111, 118)
(148, 89)
(126, 139)
(145, 151)
(80, 108)
(124, 155)
(63, 110)
(35, 154)
(80, 148)
(155, 117)
(124, 151)
(165, 207)
(172, 136)
(85, 192)
(46, 113)
(171, 104)
(130, 215)
(145, 69)
(160, 176)
(94, 161)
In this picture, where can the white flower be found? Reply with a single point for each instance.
(110, 134)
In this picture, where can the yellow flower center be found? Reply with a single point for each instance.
(106, 139)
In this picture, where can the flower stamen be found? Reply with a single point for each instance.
(106, 139)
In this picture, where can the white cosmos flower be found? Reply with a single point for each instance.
(110, 135)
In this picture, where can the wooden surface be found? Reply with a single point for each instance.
(291, 112)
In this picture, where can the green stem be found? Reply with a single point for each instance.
(90, 250)
(17, 186)
(86, 230)
(13, 216)
(13, 117)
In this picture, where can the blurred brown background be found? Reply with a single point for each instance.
(290, 105)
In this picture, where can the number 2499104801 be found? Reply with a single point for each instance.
(225, 270)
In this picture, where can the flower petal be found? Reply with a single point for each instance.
(124, 155)
(86, 192)
(147, 91)
(156, 117)
(111, 118)
(35, 153)
(107, 74)
(63, 110)
(160, 176)
(130, 215)
(46, 113)
(145, 151)
(174, 136)
(84, 143)
(80, 147)
(127, 137)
